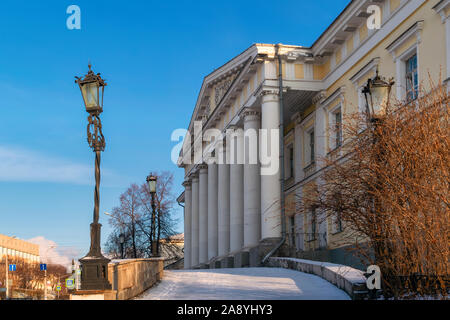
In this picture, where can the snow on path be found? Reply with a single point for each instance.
(242, 284)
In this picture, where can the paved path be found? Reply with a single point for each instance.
(242, 284)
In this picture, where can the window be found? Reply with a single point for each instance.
(412, 80)
(337, 223)
(299, 232)
(338, 124)
(292, 231)
(291, 161)
(311, 146)
(335, 117)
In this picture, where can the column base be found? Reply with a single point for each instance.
(250, 256)
(201, 266)
(242, 259)
(227, 262)
(214, 264)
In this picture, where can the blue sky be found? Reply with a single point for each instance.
(154, 56)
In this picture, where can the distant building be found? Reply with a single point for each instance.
(17, 248)
(172, 248)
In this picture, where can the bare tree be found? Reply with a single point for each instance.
(134, 218)
(391, 190)
(29, 279)
(127, 216)
(162, 226)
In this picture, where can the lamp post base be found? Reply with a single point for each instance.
(94, 274)
(94, 266)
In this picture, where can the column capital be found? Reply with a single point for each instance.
(269, 95)
(319, 97)
(233, 127)
(187, 183)
(250, 114)
(269, 91)
(193, 176)
(202, 167)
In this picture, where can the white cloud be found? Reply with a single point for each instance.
(51, 253)
(22, 165)
(18, 164)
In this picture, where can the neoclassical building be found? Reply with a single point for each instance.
(19, 249)
(236, 212)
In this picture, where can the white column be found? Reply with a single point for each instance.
(187, 224)
(252, 181)
(236, 147)
(223, 202)
(212, 211)
(270, 173)
(194, 227)
(203, 214)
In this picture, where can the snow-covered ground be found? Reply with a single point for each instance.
(242, 284)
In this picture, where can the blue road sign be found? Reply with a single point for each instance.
(70, 283)
(43, 266)
(12, 267)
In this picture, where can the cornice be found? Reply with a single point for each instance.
(371, 66)
(414, 31)
(441, 8)
(339, 93)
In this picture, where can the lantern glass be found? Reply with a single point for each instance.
(380, 98)
(90, 92)
(152, 184)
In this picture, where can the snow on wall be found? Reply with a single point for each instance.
(344, 277)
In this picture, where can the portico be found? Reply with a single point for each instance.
(232, 195)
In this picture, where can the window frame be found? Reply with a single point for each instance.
(311, 145)
(333, 133)
(413, 91)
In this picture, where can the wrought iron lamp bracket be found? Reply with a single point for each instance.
(95, 136)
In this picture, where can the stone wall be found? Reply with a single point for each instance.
(131, 277)
(344, 277)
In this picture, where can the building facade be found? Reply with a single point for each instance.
(19, 249)
(233, 207)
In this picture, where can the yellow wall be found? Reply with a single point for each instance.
(394, 5)
(299, 71)
(431, 60)
(320, 71)
(432, 55)
(363, 32)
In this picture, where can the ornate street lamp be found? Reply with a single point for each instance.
(377, 93)
(121, 241)
(94, 265)
(151, 180)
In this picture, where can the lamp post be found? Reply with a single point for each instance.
(151, 180)
(377, 93)
(122, 241)
(94, 265)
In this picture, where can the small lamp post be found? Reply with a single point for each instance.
(121, 241)
(94, 265)
(377, 93)
(151, 180)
